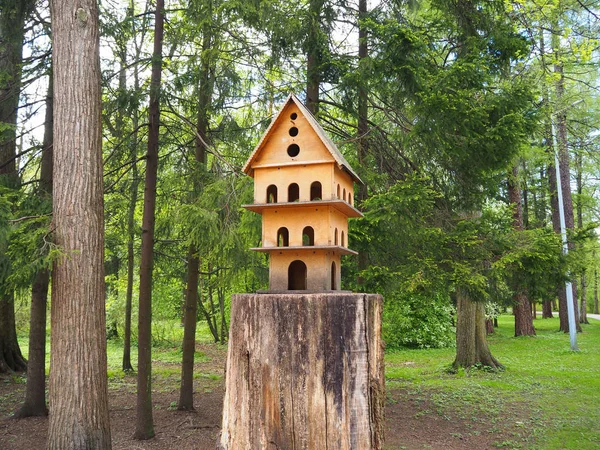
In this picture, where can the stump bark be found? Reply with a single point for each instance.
(304, 371)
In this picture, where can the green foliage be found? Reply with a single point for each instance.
(417, 321)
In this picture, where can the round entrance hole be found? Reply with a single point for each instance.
(293, 150)
(293, 116)
(293, 131)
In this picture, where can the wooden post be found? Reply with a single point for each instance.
(304, 371)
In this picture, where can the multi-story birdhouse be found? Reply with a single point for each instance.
(304, 190)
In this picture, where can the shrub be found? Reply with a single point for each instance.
(418, 321)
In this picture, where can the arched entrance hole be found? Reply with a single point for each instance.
(293, 192)
(297, 276)
(308, 236)
(316, 191)
(333, 277)
(272, 194)
(283, 237)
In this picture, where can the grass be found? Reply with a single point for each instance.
(557, 388)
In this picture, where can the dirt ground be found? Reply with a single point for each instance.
(412, 422)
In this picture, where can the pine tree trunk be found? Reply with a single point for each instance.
(127, 367)
(35, 392)
(583, 310)
(363, 120)
(313, 56)
(205, 87)
(186, 392)
(78, 383)
(523, 316)
(579, 179)
(144, 423)
(547, 309)
(11, 358)
(525, 213)
(565, 179)
(471, 342)
(304, 371)
(489, 326)
(12, 21)
(521, 304)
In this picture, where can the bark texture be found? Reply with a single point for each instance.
(547, 309)
(144, 422)
(35, 392)
(304, 372)
(186, 391)
(78, 383)
(471, 342)
(521, 304)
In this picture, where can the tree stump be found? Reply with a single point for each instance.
(304, 371)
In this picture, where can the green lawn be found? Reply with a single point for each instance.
(559, 390)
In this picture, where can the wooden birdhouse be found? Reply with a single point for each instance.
(304, 190)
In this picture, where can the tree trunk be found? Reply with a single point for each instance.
(313, 55)
(521, 304)
(35, 392)
(471, 342)
(144, 423)
(12, 21)
(525, 209)
(523, 315)
(127, 367)
(363, 120)
(579, 178)
(186, 392)
(304, 371)
(224, 333)
(78, 383)
(206, 315)
(547, 309)
(583, 311)
(489, 326)
(565, 179)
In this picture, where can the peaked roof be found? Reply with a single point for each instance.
(339, 158)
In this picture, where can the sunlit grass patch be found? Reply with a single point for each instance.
(554, 387)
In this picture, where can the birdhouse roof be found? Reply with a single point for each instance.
(329, 145)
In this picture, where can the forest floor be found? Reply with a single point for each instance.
(426, 408)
